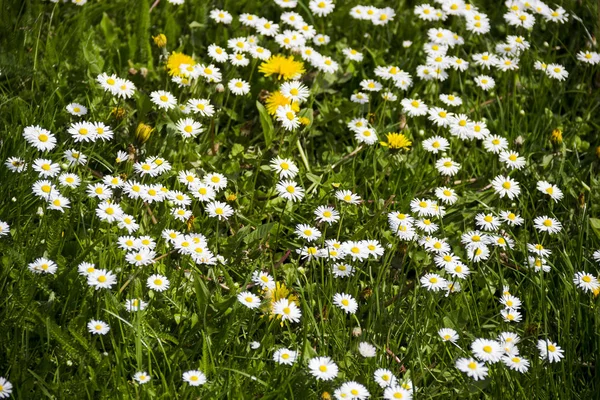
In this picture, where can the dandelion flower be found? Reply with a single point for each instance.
(285, 68)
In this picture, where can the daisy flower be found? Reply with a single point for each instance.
(221, 16)
(158, 283)
(164, 100)
(588, 57)
(46, 168)
(43, 266)
(101, 279)
(549, 351)
(285, 356)
(263, 279)
(342, 270)
(448, 335)
(347, 196)
(495, 144)
(551, 190)
(511, 218)
(323, 368)
(547, 224)
(141, 377)
(436, 144)
(327, 214)
(395, 391)
(447, 167)
(511, 315)
(321, 8)
(39, 138)
(194, 378)
(5, 388)
(414, 107)
(433, 282)
(287, 117)
(249, 300)
(307, 232)
(220, 210)
(506, 187)
(345, 302)
(97, 327)
(76, 109)
(238, 87)
(512, 159)
(135, 305)
(472, 368)
(485, 82)
(288, 310)
(384, 377)
(586, 282)
(487, 350)
(516, 363)
(284, 167)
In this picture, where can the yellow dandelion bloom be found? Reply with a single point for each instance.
(160, 40)
(276, 99)
(556, 136)
(175, 60)
(397, 141)
(285, 68)
(304, 121)
(143, 132)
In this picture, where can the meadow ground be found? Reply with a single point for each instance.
(294, 199)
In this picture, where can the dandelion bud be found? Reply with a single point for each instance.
(143, 132)
(598, 151)
(304, 121)
(556, 136)
(160, 40)
(326, 396)
(118, 113)
(232, 197)
(219, 88)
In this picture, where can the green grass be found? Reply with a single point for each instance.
(51, 55)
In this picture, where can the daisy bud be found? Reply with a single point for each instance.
(143, 132)
(160, 40)
(143, 72)
(522, 112)
(301, 270)
(519, 140)
(64, 166)
(546, 44)
(357, 331)
(40, 211)
(219, 88)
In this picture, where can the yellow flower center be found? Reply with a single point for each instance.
(487, 349)
(102, 278)
(158, 282)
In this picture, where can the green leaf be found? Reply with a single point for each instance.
(108, 29)
(595, 224)
(266, 123)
